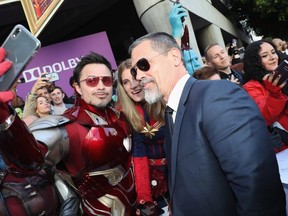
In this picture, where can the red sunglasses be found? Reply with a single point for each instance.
(94, 81)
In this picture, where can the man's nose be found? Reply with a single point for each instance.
(100, 85)
(139, 75)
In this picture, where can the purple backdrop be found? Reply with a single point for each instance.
(62, 58)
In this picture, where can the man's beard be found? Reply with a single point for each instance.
(152, 96)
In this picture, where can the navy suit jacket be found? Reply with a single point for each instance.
(221, 161)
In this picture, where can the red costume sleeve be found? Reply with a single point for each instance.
(142, 179)
(21, 151)
(270, 106)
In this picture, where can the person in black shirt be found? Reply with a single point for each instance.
(218, 57)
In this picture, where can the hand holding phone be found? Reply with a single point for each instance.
(4, 64)
(51, 76)
(282, 71)
(6, 96)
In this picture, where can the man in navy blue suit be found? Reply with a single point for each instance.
(220, 156)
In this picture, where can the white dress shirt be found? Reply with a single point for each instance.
(174, 97)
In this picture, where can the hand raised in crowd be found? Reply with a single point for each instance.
(271, 83)
(4, 66)
(40, 82)
(176, 16)
(234, 79)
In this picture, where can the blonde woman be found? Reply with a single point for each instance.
(149, 157)
(42, 109)
(43, 106)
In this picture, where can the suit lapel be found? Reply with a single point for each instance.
(176, 131)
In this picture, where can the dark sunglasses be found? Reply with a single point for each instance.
(143, 65)
(94, 81)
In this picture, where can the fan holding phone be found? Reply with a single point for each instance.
(266, 83)
(26, 188)
(281, 72)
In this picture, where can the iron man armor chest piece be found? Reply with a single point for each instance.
(96, 154)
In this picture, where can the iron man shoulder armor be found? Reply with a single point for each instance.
(49, 131)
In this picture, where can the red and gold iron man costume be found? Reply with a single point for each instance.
(27, 188)
(93, 147)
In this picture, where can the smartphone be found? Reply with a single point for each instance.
(282, 70)
(20, 46)
(51, 76)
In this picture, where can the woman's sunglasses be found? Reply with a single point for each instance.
(143, 64)
(94, 81)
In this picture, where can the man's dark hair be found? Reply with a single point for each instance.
(91, 58)
(50, 90)
(205, 73)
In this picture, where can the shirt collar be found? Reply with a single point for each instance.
(174, 98)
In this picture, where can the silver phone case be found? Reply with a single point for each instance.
(20, 46)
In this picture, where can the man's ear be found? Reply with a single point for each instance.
(177, 56)
(78, 89)
(208, 63)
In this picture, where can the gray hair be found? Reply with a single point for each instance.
(160, 42)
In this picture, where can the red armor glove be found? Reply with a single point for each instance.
(4, 109)
(4, 65)
(8, 95)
